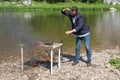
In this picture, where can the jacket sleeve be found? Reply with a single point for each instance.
(80, 23)
(66, 13)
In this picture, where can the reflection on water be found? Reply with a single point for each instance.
(108, 28)
(26, 27)
(27, 15)
(14, 29)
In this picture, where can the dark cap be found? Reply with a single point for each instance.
(74, 8)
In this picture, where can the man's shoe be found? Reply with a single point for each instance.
(74, 63)
(89, 65)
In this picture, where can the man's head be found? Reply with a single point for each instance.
(74, 10)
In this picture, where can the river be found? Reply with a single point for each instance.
(31, 26)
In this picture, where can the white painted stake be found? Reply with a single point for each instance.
(59, 57)
(22, 63)
(22, 57)
(51, 61)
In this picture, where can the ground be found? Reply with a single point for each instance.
(101, 70)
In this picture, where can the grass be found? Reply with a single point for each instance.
(115, 62)
(57, 6)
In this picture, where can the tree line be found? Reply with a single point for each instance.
(84, 1)
(63, 1)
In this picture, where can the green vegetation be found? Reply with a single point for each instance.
(57, 6)
(63, 1)
(115, 62)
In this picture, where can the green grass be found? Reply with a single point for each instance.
(57, 6)
(115, 62)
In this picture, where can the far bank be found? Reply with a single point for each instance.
(57, 6)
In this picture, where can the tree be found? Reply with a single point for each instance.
(92, 1)
(83, 1)
(68, 0)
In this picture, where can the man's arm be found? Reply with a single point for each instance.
(80, 24)
(66, 11)
(70, 31)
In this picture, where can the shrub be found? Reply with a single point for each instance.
(115, 62)
(84, 1)
(92, 1)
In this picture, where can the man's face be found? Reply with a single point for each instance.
(73, 13)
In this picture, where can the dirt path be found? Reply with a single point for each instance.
(102, 71)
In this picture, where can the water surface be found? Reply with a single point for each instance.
(26, 27)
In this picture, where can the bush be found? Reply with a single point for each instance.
(100, 1)
(115, 63)
(92, 1)
(39, 0)
(51, 1)
(84, 1)
(68, 0)
(76, 0)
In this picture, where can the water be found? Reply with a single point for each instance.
(26, 27)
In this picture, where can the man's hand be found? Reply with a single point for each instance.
(70, 31)
(66, 9)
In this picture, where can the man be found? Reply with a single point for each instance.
(81, 32)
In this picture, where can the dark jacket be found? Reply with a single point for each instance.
(79, 25)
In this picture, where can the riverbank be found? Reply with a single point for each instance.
(101, 70)
(57, 6)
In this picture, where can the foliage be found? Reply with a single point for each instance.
(115, 63)
(100, 1)
(84, 1)
(57, 6)
(92, 1)
(63, 1)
